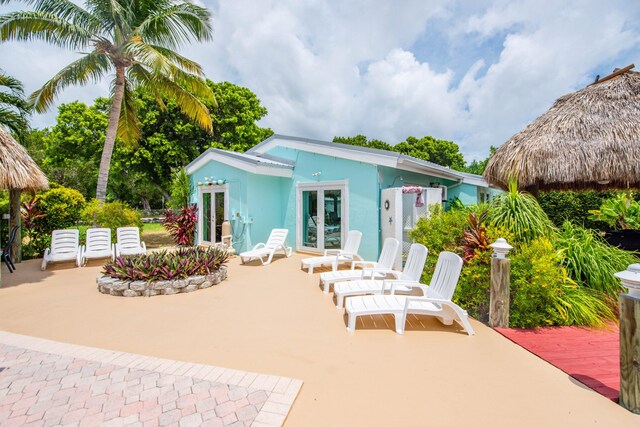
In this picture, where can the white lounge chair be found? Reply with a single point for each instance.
(277, 241)
(98, 245)
(410, 276)
(336, 256)
(65, 246)
(129, 242)
(371, 269)
(436, 299)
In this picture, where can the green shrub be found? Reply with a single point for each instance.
(621, 212)
(521, 214)
(542, 294)
(61, 208)
(591, 261)
(181, 190)
(472, 292)
(165, 265)
(111, 215)
(573, 205)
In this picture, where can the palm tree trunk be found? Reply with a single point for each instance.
(110, 139)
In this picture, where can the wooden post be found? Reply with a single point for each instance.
(630, 352)
(500, 293)
(15, 220)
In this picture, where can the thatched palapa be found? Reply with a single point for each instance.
(17, 168)
(588, 139)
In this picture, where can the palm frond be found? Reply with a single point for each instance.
(16, 101)
(189, 104)
(34, 25)
(89, 68)
(14, 85)
(139, 76)
(12, 120)
(150, 53)
(128, 125)
(67, 10)
(175, 25)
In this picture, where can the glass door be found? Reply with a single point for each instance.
(212, 215)
(322, 214)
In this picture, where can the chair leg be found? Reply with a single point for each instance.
(43, 266)
(400, 321)
(339, 300)
(352, 322)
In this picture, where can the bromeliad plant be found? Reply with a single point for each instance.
(165, 265)
(181, 225)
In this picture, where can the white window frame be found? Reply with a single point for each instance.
(211, 189)
(320, 187)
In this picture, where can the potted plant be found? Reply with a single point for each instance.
(622, 214)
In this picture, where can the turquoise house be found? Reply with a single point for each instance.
(320, 190)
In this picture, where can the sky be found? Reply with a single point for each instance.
(473, 72)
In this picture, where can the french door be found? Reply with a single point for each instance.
(322, 212)
(213, 210)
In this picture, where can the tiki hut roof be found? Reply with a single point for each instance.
(17, 168)
(587, 139)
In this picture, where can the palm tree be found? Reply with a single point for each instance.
(133, 40)
(14, 110)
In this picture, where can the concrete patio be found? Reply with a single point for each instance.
(275, 320)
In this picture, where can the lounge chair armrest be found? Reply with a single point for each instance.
(258, 246)
(333, 252)
(363, 264)
(144, 246)
(370, 272)
(393, 284)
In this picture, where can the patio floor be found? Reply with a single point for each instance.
(591, 356)
(275, 320)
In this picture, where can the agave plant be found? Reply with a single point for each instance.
(165, 265)
(475, 237)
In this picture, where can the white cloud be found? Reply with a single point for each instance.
(325, 68)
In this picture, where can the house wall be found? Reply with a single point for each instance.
(362, 187)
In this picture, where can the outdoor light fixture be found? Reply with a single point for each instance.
(630, 279)
(501, 248)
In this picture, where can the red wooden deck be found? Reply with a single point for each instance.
(591, 356)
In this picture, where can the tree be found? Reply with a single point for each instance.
(135, 39)
(14, 109)
(444, 153)
(478, 167)
(363, 141)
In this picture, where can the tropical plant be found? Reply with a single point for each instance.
(620, 212)
(135, 39)
(573, 205)
(61, 207)
(181, 190)
(520, 213)
(14, 109)
(543, 294)
(181, 225)
(165, 265)
(590, 260)
(37, 241)
(474, 238)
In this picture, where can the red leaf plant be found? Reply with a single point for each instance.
(181, 225)
(475, 237)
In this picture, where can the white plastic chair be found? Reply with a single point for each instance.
(129, 242)
(336, 256)
(436, 299)
(65, 246)
(277, 241)
(410, 276)
(98, 245)
(372, 269)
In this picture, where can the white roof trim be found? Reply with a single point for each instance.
(240, 161)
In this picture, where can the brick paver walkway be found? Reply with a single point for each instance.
(46, 383)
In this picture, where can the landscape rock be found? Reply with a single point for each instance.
(138, 285)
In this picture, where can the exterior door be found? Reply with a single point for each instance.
(212, 213)
(322, 216)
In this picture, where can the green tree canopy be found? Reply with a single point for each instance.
(439, 151)
(478, 166)
(363, 141)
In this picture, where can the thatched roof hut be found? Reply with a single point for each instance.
(17, 168)
(587, 139)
